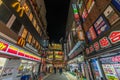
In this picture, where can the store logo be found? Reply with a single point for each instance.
(19, 8)
(21, 41)
(2, 46)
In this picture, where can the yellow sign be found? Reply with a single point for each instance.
(21, 42)
(19, 9)
(2, 46)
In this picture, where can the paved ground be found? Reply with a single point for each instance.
(56, 76)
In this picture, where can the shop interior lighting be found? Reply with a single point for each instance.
(1, 2)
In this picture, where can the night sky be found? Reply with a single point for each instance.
(57, 13)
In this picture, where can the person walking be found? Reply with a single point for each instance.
(60, 70)
(55, 70)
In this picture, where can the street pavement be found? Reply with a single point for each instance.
(56, 76)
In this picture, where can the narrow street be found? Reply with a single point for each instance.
(56, 76)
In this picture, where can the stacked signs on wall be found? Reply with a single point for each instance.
(111, 15)
(75, 11)
(116, 3)
(113, 38)
(101, 25)
(91, 34)
(79, 30)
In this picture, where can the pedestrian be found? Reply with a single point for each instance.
(60, 70)
(55, 70)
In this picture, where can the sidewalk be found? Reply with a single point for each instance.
(72, 77)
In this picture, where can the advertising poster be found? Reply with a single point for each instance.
(110, 72)
(92, 33)
(89, 36)
(117, 69)
(101, 25)
(95, 69)
(116, 3)
(111, 15)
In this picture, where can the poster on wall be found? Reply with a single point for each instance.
(116, 3)
(110, 72)
(101, 25)
(117, 69)
(92, 33)
(111, 15)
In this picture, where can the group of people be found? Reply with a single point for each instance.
(58, 69)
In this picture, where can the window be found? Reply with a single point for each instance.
(34, 22)
(31, 17)
(5, 13)
(16, 26)
(24, 33)
(29, 38)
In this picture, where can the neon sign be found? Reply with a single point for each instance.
(19, 9)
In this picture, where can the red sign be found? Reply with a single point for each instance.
(3, 46)
(21, 54)
(12, 49)
(92, 33)
(96, 46)
(91, 48)
(114, 36)
(87, 51)
(116, 59)
(104, 42)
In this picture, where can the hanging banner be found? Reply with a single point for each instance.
(111, 15)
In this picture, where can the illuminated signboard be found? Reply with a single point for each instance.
(104, 42)
(89, 5)
(19, 8)
(96, 46)
(16, 51)
(3, 46)
(12, 49)
(92, 33)
(116, 3)
(114, 37)
(75, 11)
(101, 26)
(111, 15)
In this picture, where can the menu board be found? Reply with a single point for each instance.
(110, 72)
(116, 3)
(111, 15)
(101, 25)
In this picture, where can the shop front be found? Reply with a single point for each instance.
(16, 62)
(111, 66)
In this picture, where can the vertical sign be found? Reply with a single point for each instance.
(92, 33)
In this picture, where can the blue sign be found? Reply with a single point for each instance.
(101, 25)
(116, 3)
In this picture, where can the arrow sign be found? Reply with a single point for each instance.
(114, 36)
